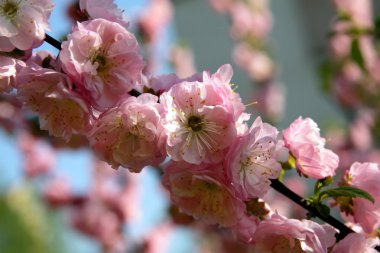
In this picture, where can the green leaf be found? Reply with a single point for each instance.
(346, 191)
(356, 54)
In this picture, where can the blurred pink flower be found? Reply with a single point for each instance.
(23, 23)
(221, 6)
(154, 18)
(360, 12)
(354, 243)
(253, 160)
(7, 73)
(105, 9)
(257, 64)
(361, 131)
(57, 192)
(103, 59)
(247, 19)
(127, 135)
(364, 176)
(245, 228)
(49, 93)
(279, 234)
(203, 192)
(265, 97)
(182, 60)
(303, 139)
(39, 157)
(158, 240)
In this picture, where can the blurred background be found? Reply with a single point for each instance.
(58, 198)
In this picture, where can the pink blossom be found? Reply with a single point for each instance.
(303, 139)
(105, 9)
(245, 228)
(103, 59)
(354, 243)
(364, 176)
(252, 160)
(265, 97)
(23, 23)
(182, 60)
(200, 118)
(360, 131)
(7, 73)
(40, 160)
(279, 234)
(158, 240)
(161, 83)
(58, 192)
(154, 18)
(203, 192)
(219, 83)
(127, 135)
(221, 6)
(257, 64)
(250, 20)
(49, 93)
(360, 12)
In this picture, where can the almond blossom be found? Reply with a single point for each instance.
(364, 176)
(50, 94)
(200, 118)
(23, 23)
(253, 160)
(279, 235)
(105, 9)
(128, 134)
(303, 140)
(103, 59)
(7, 73)
(203, 192)
(354, 243)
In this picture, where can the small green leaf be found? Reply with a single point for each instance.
(346, 191)
(356, 54)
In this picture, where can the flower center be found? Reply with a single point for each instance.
(9, 9)
(195, 123)
(102, 62)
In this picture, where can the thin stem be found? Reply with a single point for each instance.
(55, 43)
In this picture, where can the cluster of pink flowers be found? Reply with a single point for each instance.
(97, 88)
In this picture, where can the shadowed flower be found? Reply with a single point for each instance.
(128, 134)
(203, 192)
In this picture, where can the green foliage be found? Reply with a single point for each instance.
(24, 226)
(346, 191)
(356, 54)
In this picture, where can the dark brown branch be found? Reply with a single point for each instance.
(55, 43)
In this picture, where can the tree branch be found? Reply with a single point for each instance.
(55, 43)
